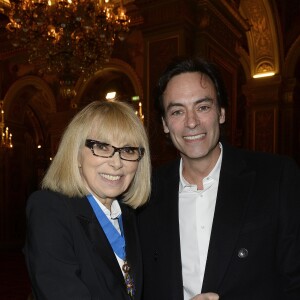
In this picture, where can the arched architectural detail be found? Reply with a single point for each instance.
(28, 104)
(262, 37)
(292, 57)
(245, 61)
(113, 64)
(29, 90)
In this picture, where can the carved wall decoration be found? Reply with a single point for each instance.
(264, 67)
(262, 37)
(264, 131)
(216, 28)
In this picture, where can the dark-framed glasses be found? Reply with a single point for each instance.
(106, 150)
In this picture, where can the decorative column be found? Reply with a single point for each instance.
(220, 31)
(262, 107)
(289, 132)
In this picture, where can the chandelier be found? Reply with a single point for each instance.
(67, 36)
(6, 136)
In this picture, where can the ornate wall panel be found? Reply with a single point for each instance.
(262, 37)
(262, 105)
(264, 132)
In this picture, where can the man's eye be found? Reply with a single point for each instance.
(204, 108)
(176, 112)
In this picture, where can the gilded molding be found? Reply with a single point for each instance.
(262, 38)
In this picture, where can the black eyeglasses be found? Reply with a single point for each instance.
(106, 150)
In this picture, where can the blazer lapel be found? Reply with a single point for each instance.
(165, 190)
(133, 252)
(233, 196)
(97, 237)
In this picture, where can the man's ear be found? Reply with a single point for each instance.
(222, 116)
(166, 128)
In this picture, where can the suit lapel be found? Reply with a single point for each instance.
(133, 252)
(101, 245)
(95, 234)
(232, 199)
(165, 190)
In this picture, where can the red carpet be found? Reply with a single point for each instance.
(14, 281)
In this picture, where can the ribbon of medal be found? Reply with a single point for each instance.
(116, 240)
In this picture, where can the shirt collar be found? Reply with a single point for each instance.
(115, 210)
(214, 173)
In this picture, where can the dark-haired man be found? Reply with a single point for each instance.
(220, 219)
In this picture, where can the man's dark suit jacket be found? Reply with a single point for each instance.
(254, 250)
(68, 255)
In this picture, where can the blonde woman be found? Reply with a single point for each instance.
(82, 238)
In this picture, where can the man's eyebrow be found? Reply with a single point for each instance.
(205, 99)
(179, 104)
(172, 104)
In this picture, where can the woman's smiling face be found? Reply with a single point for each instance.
(106, 178)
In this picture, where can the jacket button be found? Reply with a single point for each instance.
(243, 253)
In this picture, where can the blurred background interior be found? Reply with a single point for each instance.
(55, 57)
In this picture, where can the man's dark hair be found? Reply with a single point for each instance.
(181, 65)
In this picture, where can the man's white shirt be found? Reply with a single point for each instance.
(196, 212)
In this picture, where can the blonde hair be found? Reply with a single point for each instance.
(114, 120)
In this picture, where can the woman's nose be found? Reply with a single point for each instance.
(116, 161)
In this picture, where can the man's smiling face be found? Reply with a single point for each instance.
(192, 116)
